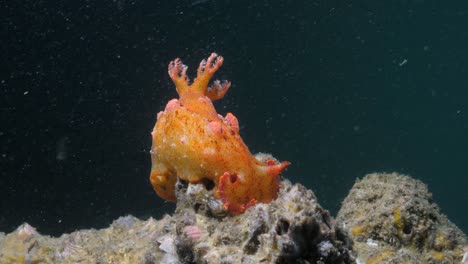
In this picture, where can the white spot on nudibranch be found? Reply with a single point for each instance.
(209, 151)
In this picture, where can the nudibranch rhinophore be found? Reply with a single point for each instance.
(192, 142)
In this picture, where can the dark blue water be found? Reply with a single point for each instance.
(339, 88)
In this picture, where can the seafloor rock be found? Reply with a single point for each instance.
(127, 240)
(391, 218)
(387, 218)
(292, 229)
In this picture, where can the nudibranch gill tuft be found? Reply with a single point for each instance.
(191, 141)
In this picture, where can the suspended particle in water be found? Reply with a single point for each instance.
(62, 148)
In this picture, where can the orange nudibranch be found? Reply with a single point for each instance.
(192, 142)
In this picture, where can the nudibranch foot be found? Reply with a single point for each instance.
(238, 194)
(228, 184)
(164, 184)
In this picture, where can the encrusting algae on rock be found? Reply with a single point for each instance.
(192, 142)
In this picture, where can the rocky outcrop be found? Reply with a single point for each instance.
(292, 229)
(386, 218)
(392, 218)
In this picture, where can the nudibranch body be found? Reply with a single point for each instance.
(191, 141)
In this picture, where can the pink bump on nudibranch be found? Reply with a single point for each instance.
(231, 120)
(215, 127)
(172, 104)
(159, 114)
